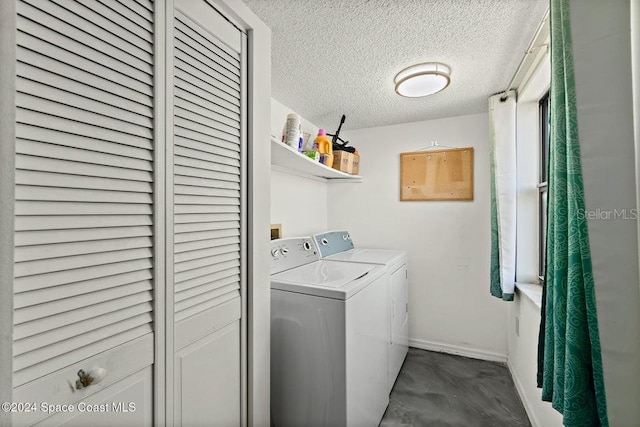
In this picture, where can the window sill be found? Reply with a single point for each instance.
(532, 291)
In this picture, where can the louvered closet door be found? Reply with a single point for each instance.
(84, 181)
(207, 214)
(207, 169)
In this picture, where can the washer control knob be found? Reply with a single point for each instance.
(348, 236)
(306, 246)
(284, 251)
(345, 236)
(324, 242)
(275, 253)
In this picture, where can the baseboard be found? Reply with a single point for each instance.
(525, 402)
(458, 350)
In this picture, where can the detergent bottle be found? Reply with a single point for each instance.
(324, 147)
(292, 131)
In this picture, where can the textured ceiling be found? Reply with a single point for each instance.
(332, 57)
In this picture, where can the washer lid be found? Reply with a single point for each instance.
(369, 256)
(339, 280)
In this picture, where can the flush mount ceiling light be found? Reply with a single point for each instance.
(422, 79)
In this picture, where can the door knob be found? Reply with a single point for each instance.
(94, 376)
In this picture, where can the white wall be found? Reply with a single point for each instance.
(602, 46)
(524, 313)
(524, 316)
(298, 203)
(448, 243)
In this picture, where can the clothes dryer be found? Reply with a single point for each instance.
(338, 246)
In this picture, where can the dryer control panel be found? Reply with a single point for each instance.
(291, 253)
(333, 242)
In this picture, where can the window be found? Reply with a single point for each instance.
(542, 183)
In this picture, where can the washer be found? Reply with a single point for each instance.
(338, 246)
(329, 346)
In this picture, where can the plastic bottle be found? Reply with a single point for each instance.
(300, 138)
(309, 144)
(310, 149)
(324, 147)
(291, 131)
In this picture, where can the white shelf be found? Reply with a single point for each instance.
(289, 160)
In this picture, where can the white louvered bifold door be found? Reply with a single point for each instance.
(207, 209)
(207, 171)
(84, 180)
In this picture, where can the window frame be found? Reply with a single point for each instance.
(543, 142)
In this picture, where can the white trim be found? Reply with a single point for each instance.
(283, 169)
(244, 237)
(532, 291)
(635, 78)
(258, 206)
(159, 191)
(169, 207)
(299, 174)
(7, 191)
(473, 353)
(540, 40)
(523, 397)
(528, 167)
(538, 81)
(540, 56)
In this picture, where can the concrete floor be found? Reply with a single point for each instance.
(442, 390)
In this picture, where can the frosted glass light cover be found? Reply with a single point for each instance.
(422, 79)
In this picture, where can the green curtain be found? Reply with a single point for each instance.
(570, 367)
(502, 152)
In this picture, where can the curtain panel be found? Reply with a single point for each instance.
(570, 366)
(502, 145)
